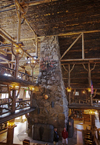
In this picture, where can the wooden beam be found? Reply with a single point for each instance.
(19, 25)
(12, 41)
(83, 46)
(80, 106)
(38, 2)
(25, 17)
(72, 33)
(33, 3)
(83, 60)
(9, 80)
(71, 46)
(68, 75)
(6, 33)
(11, 116)
(62, 34)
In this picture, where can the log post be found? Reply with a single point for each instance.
(32, 74)
(82, 45)
(10, 132)
(89, 80)
(17, 65)
(31, 98)
(69, 83)
(19, 25)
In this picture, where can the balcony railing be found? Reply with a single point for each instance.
(11, 73)
(6, 105)
(95, 102)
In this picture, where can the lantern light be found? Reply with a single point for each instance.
(46, 96)
(11, 123)
(83, 91)
(33, 61)
(68, 89)
(31, 88)
(89, 89)
(18, 50)
(14, 86)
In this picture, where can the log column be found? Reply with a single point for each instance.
(69, 83)
(10, 132)
(89, 80)
(93, 121)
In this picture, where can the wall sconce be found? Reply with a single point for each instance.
(83, 92)
(68, 89)
(46, 97)
(33, 61)
(14, 86)
(88, 111)
(91, 112)
(31, 88)
(89, 90)
(11, 124)
(18, 50)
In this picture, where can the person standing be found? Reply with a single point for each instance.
(56, 137)
(64, 136)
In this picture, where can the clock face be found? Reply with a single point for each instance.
(47, 64)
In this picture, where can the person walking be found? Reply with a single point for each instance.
(56, 137)
(64, 136)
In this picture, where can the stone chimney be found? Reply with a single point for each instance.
(50, 100)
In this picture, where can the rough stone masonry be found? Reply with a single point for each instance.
(54, 109)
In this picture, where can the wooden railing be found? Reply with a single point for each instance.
(95, 102)
(11, 73)
(6, 106)
(80, 101)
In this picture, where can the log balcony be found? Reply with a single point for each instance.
(5, 71)
(85, 104)
(19, 106)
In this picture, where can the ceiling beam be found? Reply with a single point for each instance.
(32, 3)
(14, 43)
(82, 60)
(63, 34)
(38, 2)
(79, 62)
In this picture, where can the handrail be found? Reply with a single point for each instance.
(15, 70)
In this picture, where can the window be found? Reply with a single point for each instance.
(3, 96)
(27, 94)
(76, 93)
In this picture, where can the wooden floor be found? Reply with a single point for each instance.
(20, 132)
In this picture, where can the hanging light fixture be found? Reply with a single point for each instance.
(31, 88)
(89, 90)
(14, 86)
(83, 92)
(68, 89)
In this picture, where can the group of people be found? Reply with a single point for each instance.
(64, 137)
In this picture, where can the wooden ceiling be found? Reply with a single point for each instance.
(65, 18)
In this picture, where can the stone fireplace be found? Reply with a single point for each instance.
(50, 100)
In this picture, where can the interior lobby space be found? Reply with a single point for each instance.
(49, 72)
(21, 132)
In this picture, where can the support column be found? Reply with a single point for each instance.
(10, 132)
(17, 65)
(82, 45)
(13, 101)
(89, 80)
(19, 25)
(69, 98)
(93, 121)
(31, 99)
(69, 94)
